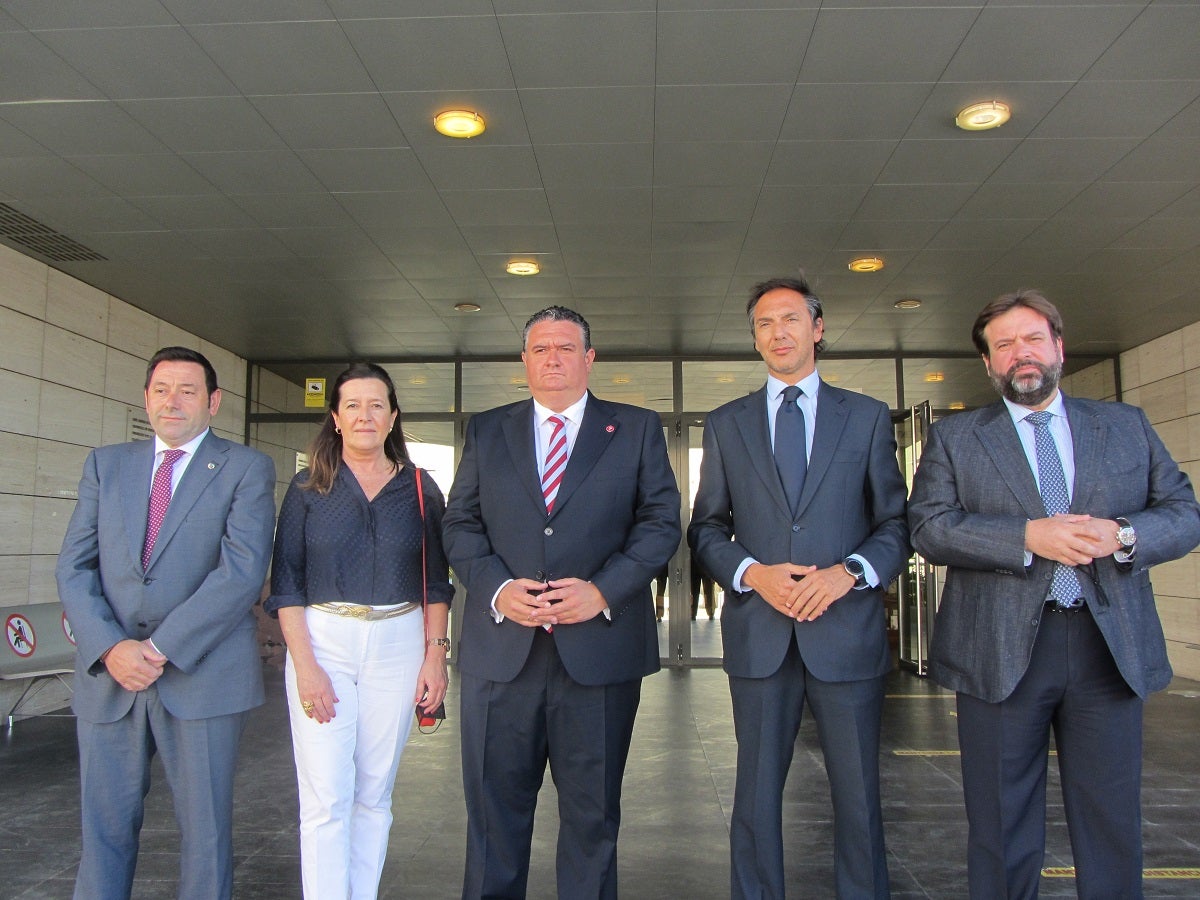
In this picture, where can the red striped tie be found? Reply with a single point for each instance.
(556, 461)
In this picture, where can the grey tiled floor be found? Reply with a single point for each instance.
(678, 793)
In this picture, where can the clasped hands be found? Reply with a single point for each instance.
(560, 601)
(134, 665)
(1070, 539)
(799, 592)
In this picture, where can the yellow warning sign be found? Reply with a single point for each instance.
(314, 392)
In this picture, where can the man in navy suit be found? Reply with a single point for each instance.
(167, 661)
(802, 523)
(1047, 620)
(563, 510)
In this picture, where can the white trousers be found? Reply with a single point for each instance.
(346, 768)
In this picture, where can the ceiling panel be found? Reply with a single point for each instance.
(1048, 42)
(760, 46)
(284, 57)
(134, 63)
(580, 49)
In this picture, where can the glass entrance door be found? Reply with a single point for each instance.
(919, 583)
(687, 603)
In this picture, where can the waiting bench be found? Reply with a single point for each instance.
(38, 646)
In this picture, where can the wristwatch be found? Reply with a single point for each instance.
(856, 570)
(1126, 536)
(440, 642)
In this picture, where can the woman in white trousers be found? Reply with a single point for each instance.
(361, 588)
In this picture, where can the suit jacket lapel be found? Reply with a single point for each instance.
(831, 422)
(1088, 434)
(596, 431)
(135, 474)
(998, 436)
(755, 431)
(202, 469)
(518, 435)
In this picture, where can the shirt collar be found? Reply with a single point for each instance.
(810, 384)
(1019, 412)
(189, 448)
(573, 413)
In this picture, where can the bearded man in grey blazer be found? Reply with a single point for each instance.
(1049, 512)
(164, 557)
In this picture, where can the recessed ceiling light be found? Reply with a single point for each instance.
(459, 123)
(866, 264)
(934, 377)
(621, 379)
(982, 116)
(908, 303)
(523, 267)
(467, 307)
(958, 404)
(724, 379)
(417, 379)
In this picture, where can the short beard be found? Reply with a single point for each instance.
(1034, 389)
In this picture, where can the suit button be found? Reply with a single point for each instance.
(795, 528)
(141, 624)
(549, 531)
(147, 581)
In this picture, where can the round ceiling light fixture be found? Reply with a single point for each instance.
(908, 303)
(459, 123)
(982, 116)
(522, 267)
(467, 307)
(866, 264)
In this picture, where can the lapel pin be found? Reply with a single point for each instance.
(610, 428)
(212, 465)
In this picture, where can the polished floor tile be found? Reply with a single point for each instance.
(677, 800)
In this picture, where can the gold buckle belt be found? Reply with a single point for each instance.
(365, 613)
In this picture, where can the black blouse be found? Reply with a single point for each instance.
(338, 547)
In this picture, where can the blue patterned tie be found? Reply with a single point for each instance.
(791, 450)
(1052, 483)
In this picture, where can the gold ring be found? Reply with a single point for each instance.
(307, 706)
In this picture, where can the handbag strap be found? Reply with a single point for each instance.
(424, 579)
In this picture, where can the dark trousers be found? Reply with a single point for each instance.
(1073, 687)
(767, 713)
(509, 732)
(199, 756)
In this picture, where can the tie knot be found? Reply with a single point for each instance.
(791, 393)
(170, 457)
(1038, 419)
(557, 422)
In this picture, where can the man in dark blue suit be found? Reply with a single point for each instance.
(800, 517)
(1047, 620)
(563, 510)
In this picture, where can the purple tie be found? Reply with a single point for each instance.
(160, 498)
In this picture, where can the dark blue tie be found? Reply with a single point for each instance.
(1052, 483)
(791, 451)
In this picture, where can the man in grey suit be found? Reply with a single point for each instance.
(563, 510)
(1049, 512)
(800, 517)
(164, 557)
